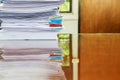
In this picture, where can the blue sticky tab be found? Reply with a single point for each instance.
(57, 29)
(56, 21)
(58, 52)
(56, 58)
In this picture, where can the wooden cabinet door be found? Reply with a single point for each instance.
(99, 57)
(100, 16)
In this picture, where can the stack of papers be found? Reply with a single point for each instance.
(31, 70)
(30, 20)
(29, 48)
(30, 16)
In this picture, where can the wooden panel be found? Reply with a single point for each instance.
(100, 16)
(68, 72)
(99, 57)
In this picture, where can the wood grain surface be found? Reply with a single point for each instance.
(100, 16)
(99, 57)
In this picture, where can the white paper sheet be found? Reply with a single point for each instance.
(27, 35)
(23, 44)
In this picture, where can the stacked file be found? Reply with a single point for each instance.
(31, 70)
(30, 20)
(29, 49)
(30, 60)
(37, 17)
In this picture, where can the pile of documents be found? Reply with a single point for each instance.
(30, 70)
(12, 50)
(29, 48)
(23, 18)
(30, 20)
